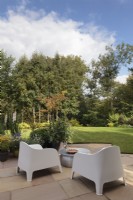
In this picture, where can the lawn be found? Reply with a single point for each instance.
(123, 137)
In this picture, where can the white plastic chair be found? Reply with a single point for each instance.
(101, 167)
(33, 157)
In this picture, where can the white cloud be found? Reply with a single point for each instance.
(122, 78)
(25, 31)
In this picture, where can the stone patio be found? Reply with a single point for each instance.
(49, 184)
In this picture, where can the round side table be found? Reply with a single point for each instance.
(67, 158)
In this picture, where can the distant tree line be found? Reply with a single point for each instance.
(42, 88)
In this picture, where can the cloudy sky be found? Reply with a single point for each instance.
(79, 27)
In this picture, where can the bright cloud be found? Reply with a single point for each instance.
(122, 78)
(25, 31)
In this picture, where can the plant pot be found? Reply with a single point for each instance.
(3, 156)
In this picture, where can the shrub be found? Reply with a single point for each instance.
(24, 125)
(40, 136)
(56, 132)
(39, 125)
(4, 143)
(74, 122)
(110, 124)
(131, 121)
(15, 141)
(60, 131)
(124, 126)
(122, 119)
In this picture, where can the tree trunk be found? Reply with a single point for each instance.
(22, 115)
(57, 117)
(34, 117)
(39, 114)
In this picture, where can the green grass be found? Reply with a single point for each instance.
(123, 137)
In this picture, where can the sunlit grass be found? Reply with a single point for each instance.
(123, 137)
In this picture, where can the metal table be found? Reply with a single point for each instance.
(67, 158)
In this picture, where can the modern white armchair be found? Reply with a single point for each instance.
(101, 167)
(33, 157)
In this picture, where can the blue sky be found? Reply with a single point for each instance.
(79, 27)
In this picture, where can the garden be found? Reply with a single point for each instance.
(62, 99)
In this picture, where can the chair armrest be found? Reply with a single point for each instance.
(45, 156)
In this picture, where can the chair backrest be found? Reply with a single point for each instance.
(24, 155)
(110, 162)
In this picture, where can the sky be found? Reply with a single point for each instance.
(77, 27)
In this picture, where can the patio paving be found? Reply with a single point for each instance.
(49, 184)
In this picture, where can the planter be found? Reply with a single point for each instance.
(3, 156)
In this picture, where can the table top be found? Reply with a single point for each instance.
(64, 152)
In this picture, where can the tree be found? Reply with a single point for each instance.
(101, 82)
(41, 78)
(7, 106)
(123, 97)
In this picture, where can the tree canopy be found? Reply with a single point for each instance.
(40, 88)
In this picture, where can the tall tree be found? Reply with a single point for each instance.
(101, 79)
(6, 85)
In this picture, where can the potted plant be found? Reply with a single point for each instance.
(60, 131)
(4, 147)
(14, 145)
(52, 135)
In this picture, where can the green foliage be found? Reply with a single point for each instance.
(6, 95)
(26, 86)
(14, 128)
(60, 130)
(24, 125)
(131, 121)
(110, 124)
(14, 144)
(56, 132)
(1, 129)
(122, 119)
(4, 143)
(119, 120)
(74, 122)
(15, 141)
(41, 136)
(114, 118)
(38, 125)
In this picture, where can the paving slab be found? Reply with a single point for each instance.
(11, 162)
(12, 183)
(60, 176)
(52, 185)
(51, 191)
(74, 187)
(120, 193)
(75, 198)
(5, 195)
(7, 172)
(92, 196)
(9, 183)
(42, 177)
